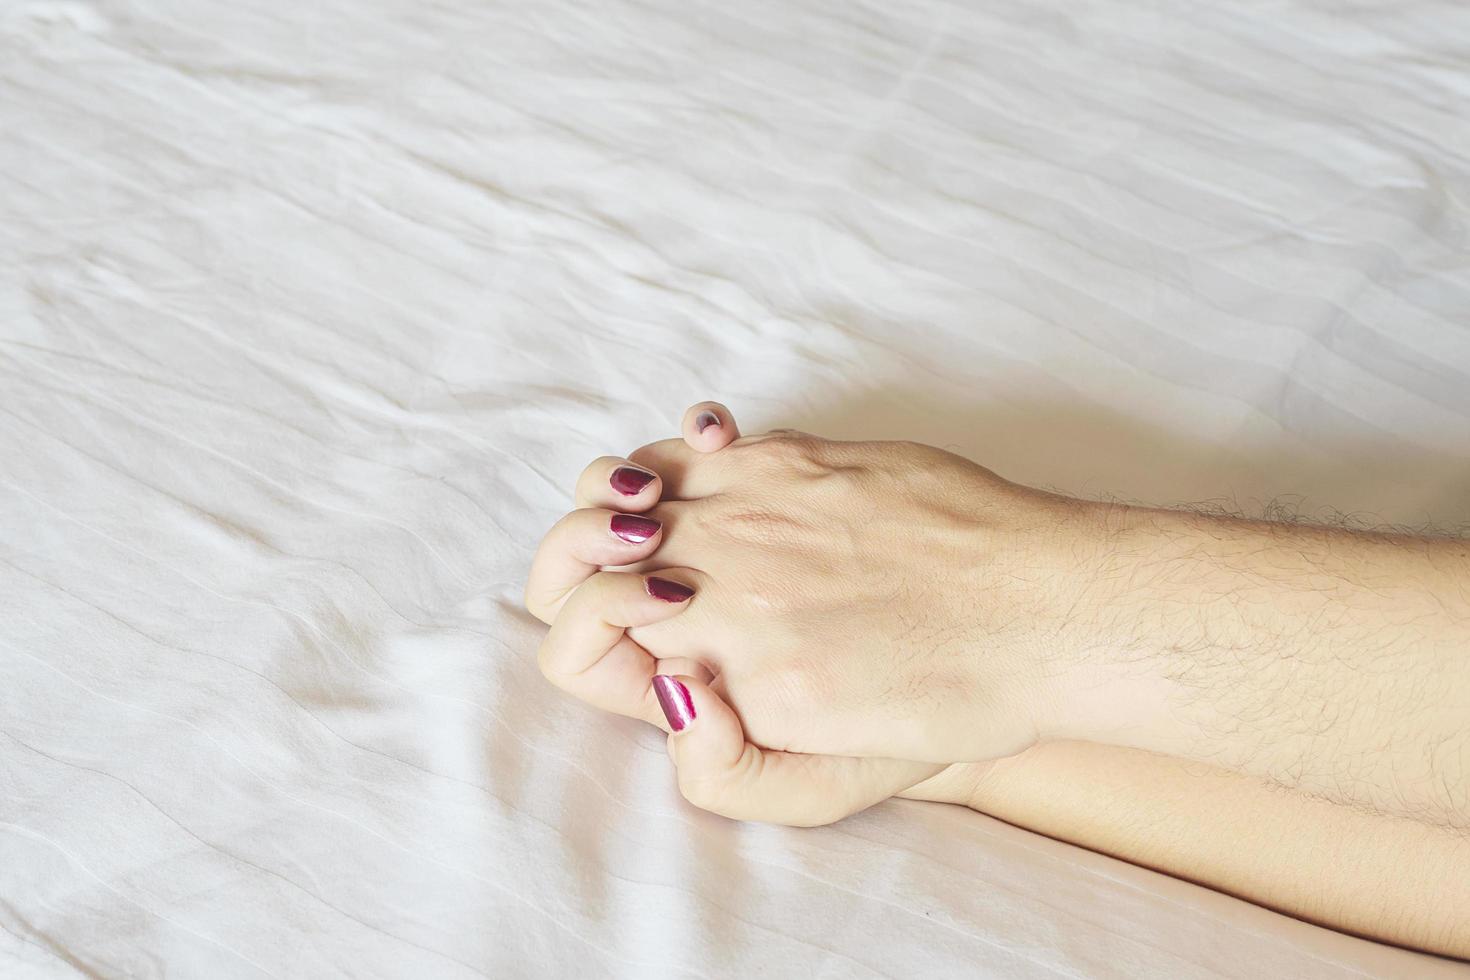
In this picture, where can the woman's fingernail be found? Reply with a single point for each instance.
(668, 591)
(629, 481)
(674, 698)
(704, 420)
(634, 529)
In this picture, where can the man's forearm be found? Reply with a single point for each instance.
(1332, 661)
(1388, 878)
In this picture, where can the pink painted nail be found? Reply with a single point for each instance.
(662, 588)
(629, 481)
(704, 420)
(633, 529)
(674, 698)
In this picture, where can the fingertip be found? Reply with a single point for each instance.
(633, 481)
(667, 589)
(635, 529)
(675, 700)
(709, 737)
(706, 419)
(618, 484)
(709, 427)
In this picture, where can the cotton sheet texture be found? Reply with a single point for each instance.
(311, 312)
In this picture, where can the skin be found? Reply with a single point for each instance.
(1274, 710)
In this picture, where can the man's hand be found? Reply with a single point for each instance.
(589, 654)
(875, 599)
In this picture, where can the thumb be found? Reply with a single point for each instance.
(721, 772)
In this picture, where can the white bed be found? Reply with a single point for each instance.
(311, 312)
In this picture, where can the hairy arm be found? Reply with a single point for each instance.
(1389, 878)
(1278, 711)
(1330, 661)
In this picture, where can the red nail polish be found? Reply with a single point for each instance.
(668, 591)
(634, 529)
(674, 698)
(704, 420)
(629, 481)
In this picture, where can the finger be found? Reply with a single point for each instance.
(709, 427)
(684, 541)
(686, 474)
(618, 484)
(721, 772)
(678, 666)
(587, 652)
(578, 545)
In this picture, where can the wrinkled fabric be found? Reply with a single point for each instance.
(311, 313)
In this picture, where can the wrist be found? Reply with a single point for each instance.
(1054, 571)
(1105, 677)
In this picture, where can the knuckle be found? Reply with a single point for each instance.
(788, 446)
(581, 527)
(599, 588)
(544, 663)
(564, 525)
(792, 457)
(595, 469)
(532, 604)
(726, 791)
(701, 792)
(581, 601)
(818, 814)
(594, 476)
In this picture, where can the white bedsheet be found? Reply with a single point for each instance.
(310, 313)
